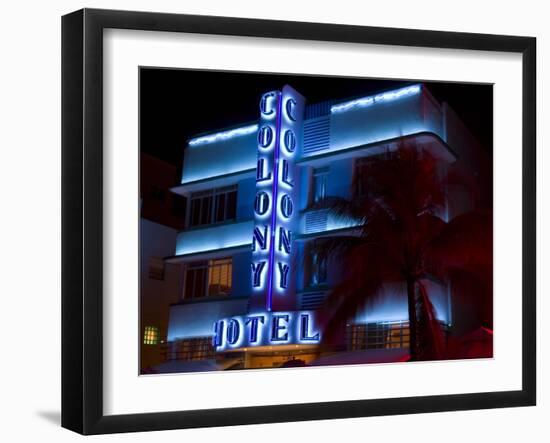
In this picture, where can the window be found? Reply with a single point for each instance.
(156, 268)
(208, 278)
(219, 277)
(318, 269)
(385, 335)
(213, 206)
(201, 207)
(151, 335)
(320, 179)
(195, 280)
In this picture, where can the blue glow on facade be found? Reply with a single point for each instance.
(391, 305)
(222, 136)
(334, 223)
(214, 238)
(393, 310)
(195, 320)
(275, 176)
(377, 98)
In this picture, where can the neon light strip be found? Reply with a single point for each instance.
(205, 239)
(275, 190)
(225, 135)
(368, 101)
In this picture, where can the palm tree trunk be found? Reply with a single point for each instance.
(411, 302)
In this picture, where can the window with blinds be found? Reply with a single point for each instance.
(208, 278)
(213, 206)
(151, 335)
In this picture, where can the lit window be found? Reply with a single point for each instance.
(208, 278)
(219, 277)
(151, 335)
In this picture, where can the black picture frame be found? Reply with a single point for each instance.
(82, 218)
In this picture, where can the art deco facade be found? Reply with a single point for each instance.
(251, 285)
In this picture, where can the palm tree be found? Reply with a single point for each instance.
(400, 237)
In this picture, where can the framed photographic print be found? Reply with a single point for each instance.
(269, 221)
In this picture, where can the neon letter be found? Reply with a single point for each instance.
(277, 328)
(253, 321)
(304, 329)
(218, 333)
(290, 107)
(283, 274)
(261, 205)
(233, 331)
(259, 237)
(286, 206)
(284, 239)
(264, 108)
(257, 273)
(260, 177)
(284, 173)
(265, 136)
(290, 141)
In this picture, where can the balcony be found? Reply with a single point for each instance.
(230, 155)
(220, 154)
(318, 221)
(193, 320)
(214, 238)
(373, 119)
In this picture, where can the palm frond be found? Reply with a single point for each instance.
(400, 236)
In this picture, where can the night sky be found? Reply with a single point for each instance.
(177, 104)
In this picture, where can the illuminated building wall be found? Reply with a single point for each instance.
(278, 167)
(161, 214)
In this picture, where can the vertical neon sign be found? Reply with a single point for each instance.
(279, 133)
(262, 239)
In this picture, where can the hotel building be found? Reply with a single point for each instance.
(252, 287)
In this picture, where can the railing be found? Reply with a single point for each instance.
(385, 335)
(382, 335)
(190, 349)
